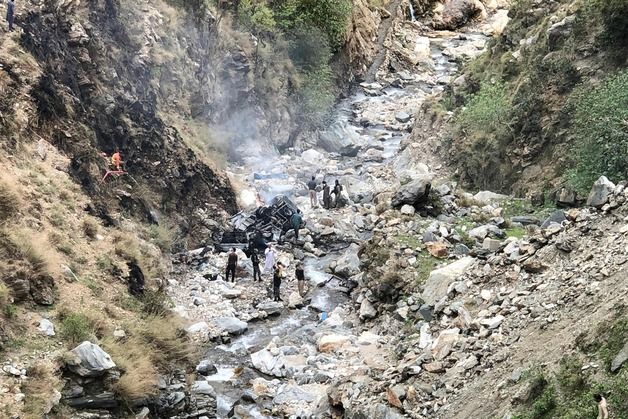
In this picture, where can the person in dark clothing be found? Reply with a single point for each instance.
(295, 221)
(256, 271)
(10, 13)
(277, 277)
(300, 274)
(311, 185)
(337, 192)
(232, 264)
(326, 196)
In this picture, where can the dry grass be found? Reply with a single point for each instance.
(10, 201)
(37, 251)
(90, 227)
(156, 344)
(41, 383)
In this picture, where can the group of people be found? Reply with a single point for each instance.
(271, 265)
(328, 202)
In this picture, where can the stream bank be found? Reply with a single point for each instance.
(272, 360)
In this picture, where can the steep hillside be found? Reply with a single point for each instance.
(545, 105)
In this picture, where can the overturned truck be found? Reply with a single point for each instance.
(252, 230)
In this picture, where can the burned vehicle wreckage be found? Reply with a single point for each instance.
(252, 230)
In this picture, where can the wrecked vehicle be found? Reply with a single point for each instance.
(252, 230)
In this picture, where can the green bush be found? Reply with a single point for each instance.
(600, 126)
(486, 111)
(614, 15)
(155, 303)
(316, 96)
(257, 17)
(76, 328)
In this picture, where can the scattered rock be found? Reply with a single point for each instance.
(437, 249)
(602, 189)
(414, 193)
(231, 325)
(439, 280)
(46, 327)
(403, 117)
(330, 343)
(491, 245)
(89, 360)
(620, 358)
(408, 209)
(367, 311)
(493, 322)
(200, 327)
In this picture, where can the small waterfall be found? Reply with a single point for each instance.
(411, 7)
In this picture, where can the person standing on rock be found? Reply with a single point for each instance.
(602, 407)
(300, 274)
(277, 277)
(296, 221)
(311, 185)
(326, 196)
(337, 193)
(270, 259)
(10, 13)
(232, 264)
(257, 275)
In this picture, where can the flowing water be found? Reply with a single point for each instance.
(364, 121)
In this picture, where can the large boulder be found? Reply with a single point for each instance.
(413, 193)
(367, 310)
(602, 189)
(439, 280)
(330, 343)
(488, 197)
(456, 13)
(89, 360)
(620, 358)
(43, 289)
(231, 325)
(349, 263)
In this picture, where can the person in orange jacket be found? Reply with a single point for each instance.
(116, 160)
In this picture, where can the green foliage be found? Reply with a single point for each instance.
(486, 111)
(76, 328)
(256, 16)
(162, 236)
(600, 126)
(316, 96)
(614, 15)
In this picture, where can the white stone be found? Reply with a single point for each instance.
(408, 210)
(46, 327)
(439, 280)
(90, 360)
(493, 322)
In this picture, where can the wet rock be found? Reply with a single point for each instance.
(271, 308)
(439, 280)
(203, 387)
(46, 327)
(367, 311)
(231, 325)
(42, 289)
(600, 192)
(89, 360)
(206, 368)
(414, 193)
(620, 358)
